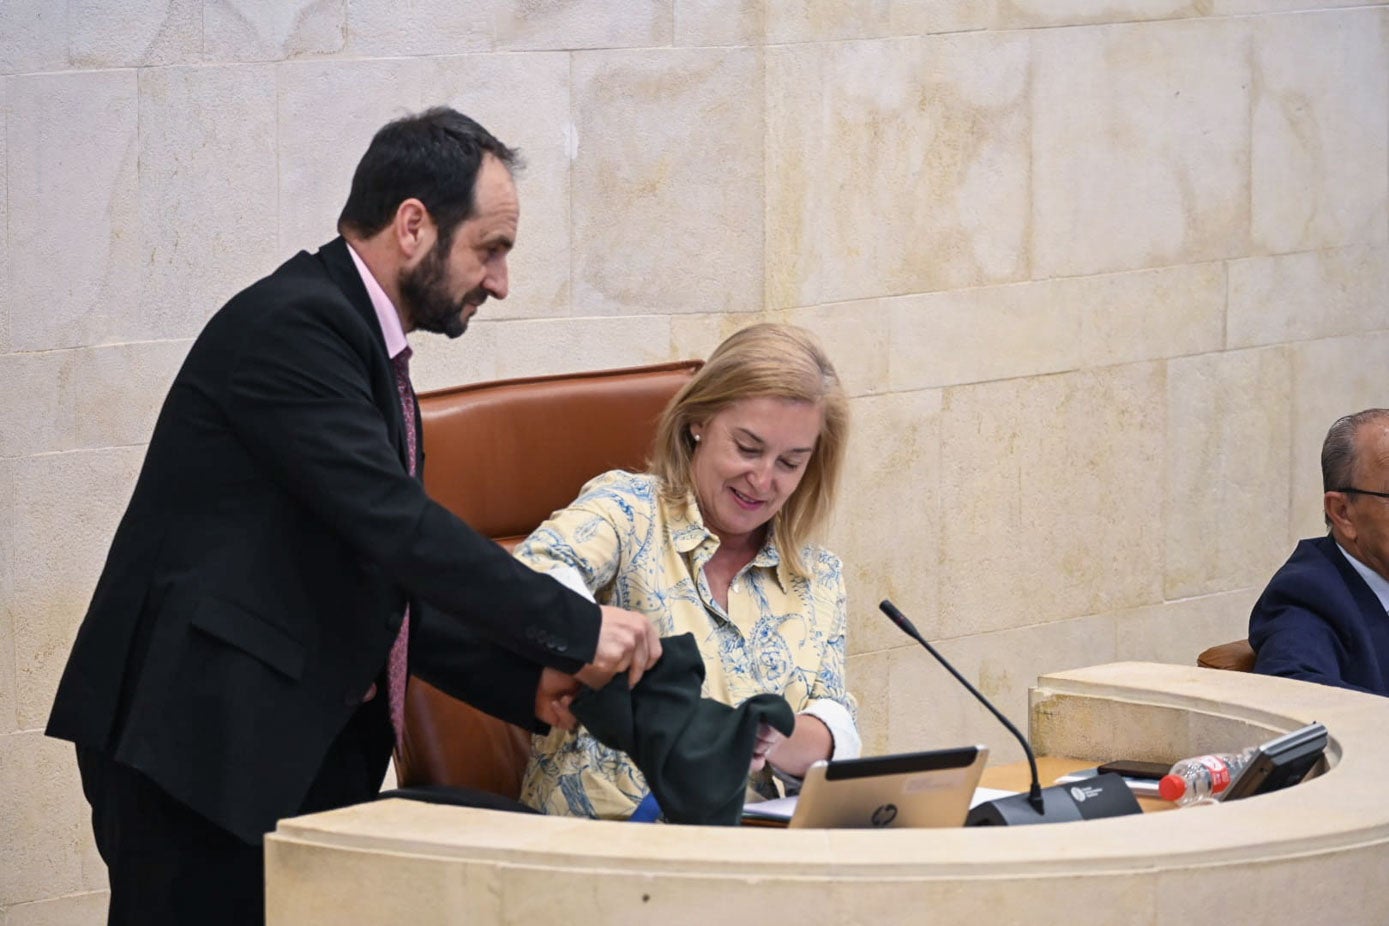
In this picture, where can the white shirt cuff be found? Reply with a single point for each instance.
(835, 716)
(571, 579)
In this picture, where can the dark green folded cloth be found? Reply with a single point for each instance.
(693, 751)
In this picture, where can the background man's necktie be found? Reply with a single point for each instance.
(398, 666)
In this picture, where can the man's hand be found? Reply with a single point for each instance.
(553, 696)
(627, 642)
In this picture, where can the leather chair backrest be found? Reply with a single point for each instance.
(503, 456)
(1237, 656)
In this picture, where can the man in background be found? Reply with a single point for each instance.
(280, 572)
(1325, 615)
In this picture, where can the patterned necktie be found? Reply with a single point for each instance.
(398, 667)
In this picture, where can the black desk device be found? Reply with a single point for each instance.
(1279, 763)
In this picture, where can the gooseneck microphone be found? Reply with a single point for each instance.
(1034, 794)
(1104, 795)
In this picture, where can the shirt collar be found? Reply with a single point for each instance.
(688, 534)
(1377, 583)
(386, 315)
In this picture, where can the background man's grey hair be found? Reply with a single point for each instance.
(1338, 450)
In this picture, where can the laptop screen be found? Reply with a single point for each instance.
(914, 789)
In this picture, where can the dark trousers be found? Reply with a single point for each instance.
(168, 864)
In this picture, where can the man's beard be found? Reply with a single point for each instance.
(425, 292)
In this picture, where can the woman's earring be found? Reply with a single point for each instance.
(696, 438)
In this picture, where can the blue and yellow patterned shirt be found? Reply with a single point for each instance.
(781, 633)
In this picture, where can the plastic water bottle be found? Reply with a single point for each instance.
(1202, 778)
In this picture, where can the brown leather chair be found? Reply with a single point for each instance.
(503, 456)
(1237, 656)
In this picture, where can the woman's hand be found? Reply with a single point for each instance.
(809, 742)
(768, 738)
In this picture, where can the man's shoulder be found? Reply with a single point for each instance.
(1315, 578)
(303, 274)
(1313, 559)
(306, 289)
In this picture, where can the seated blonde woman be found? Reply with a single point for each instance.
(715, 540)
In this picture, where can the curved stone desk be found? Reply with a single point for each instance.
(1314, 853)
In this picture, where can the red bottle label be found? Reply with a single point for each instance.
(1220, 773)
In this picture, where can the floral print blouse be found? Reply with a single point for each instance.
(781, 632)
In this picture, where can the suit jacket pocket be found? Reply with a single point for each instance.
(241, 628)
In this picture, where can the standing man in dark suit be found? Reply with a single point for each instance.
(1325, 615)
(280, 570)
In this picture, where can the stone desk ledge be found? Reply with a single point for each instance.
(1318, 852)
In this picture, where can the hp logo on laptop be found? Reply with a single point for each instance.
(884, 814)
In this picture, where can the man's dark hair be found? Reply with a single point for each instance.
(1338, 450)
(433, 156)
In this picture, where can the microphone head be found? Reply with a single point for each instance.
(897, 617)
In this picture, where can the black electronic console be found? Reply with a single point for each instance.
(1104, 795)
(1279, 763)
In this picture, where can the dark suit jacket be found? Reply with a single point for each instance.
(1319, 621)
(258, 577)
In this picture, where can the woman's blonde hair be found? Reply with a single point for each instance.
(768, 359)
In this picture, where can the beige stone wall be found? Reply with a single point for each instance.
(1099, 275)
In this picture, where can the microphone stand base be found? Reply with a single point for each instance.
(1106, 795)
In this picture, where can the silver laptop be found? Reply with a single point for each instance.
(912, 789)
